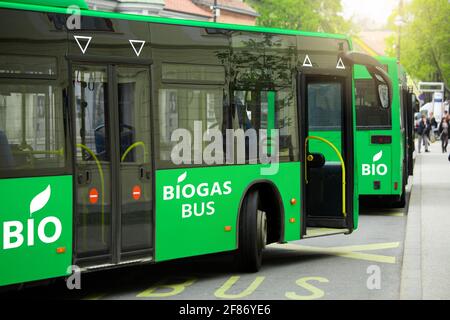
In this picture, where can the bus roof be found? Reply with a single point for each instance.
(60, 6)
(52, 3)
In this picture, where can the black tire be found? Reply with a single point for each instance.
(252, 234)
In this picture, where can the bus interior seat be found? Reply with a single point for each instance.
(325, 195)
(126, 140)
(6, 156)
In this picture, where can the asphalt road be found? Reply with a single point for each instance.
(363, 265)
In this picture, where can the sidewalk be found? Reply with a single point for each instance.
(426, 260)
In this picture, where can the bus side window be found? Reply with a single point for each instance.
(251, 111)
(6, 158)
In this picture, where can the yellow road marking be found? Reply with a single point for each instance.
(370, 247)
(316, 293)
(94, 296)
(351, 252)
(221, 292)
(174, 289)
(394, 214)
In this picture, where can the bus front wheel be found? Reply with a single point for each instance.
(252, 234)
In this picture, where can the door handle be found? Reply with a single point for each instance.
(144, 174)
(80, 178)
(88, 176)
(85, 177)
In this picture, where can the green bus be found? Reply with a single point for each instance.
(384, 136)
(91, 107)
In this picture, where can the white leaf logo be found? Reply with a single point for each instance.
(40, 200)
(182, 177)
(378, 156)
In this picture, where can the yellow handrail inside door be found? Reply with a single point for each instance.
(344, 209)
(134, 145)
(102, 181)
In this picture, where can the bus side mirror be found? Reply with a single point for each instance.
(383, 94)
(382, 81)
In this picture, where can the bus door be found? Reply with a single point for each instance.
(113, 167)
(327, 165)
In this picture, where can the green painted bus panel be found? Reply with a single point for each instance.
(193, 23)
(334, 137)
(391, 155)
(375, 164)
(360, 72)
(51, 3)
(189, 226)
(36, 220)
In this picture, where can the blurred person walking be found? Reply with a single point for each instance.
(443, 131)
(432, 134)
(423, 131)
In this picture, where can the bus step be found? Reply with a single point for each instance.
(321, 232)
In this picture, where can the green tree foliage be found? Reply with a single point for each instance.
(307, 15)
(425, 40)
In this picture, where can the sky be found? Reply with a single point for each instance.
(377, 11)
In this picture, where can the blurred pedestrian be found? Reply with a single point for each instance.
(443, 130)
(423, 131)
(432, 134)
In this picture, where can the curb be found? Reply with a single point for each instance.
(411, 271)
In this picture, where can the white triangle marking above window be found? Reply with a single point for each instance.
(340, 64)
(137, 45)
(307, 62)
(86, 45)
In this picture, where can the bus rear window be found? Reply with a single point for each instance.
(31, 128)
(369, 113)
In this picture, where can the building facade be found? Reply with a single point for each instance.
(228, 11)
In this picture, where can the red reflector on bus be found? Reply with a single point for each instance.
(227, 228)
(93, 196)
(136, 192)
(60, 250)
(381, 139)
(292, 220)
(395, 185)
